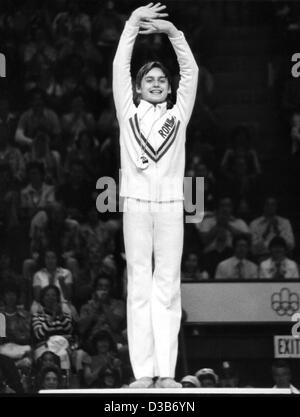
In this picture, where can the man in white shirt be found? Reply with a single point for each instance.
(278, 266)
(152, 142)
(238, 267)
(281, 373)
(221, 222)
(269, 225)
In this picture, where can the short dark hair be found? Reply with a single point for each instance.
(277, 241)
(47, 288)
(103, 275)
(55, 357)
(49, 248)
(51, 368)
(102, 335)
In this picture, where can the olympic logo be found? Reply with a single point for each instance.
(285, 302)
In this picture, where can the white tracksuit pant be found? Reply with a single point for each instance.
(153, 298)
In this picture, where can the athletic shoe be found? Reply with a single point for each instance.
(167, 383)
(145, 382)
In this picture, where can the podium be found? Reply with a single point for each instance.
(174, 391)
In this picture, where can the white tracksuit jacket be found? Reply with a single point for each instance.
(153, 297)
(163, 179)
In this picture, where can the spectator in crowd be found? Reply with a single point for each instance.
(213, 225)
(103, 358)
(9, 353)
(190, 381)
(65, 21)
(17, 319)
(222, 251)
(295, 157)
(207, 378)
(37, 197)
(9, 274)
(191, 270)
(50, 378)
(59, 232)
(70, 85)
(18, 330)
(282, 376)
(109, 379)
(243, 186)
(9, 200)
(51, 160)
(85, 150)
(97, 244)
(240, 146)
(76, 193)
(106, 24)
(12, 156)
(240, 170)
(269, 225)
(50, 84)
(291, 94)
(52, 320)
(4, 387)
(102, 312)
(54, 275)
(38, 52)
(229, 376)
(82, 46)
(37, 117)
(8, 121)
(295, 133)
(278, 266)
(107, 119)
(238, 266)
(48, 358)
(202, 170)
(77, 120)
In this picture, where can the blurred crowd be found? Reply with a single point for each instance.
(62, 263)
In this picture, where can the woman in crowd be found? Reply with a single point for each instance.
(50, 378)
(102, 312)
(51, 321)
(41, 152)
(53, 275)
(103, 359)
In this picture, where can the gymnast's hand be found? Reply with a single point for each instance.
(158, 26)
(144, 13)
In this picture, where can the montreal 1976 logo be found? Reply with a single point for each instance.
(285, 302)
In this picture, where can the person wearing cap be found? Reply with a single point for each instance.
(278, 266)
(207, 378)
(190, 381)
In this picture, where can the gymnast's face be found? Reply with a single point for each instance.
(154, 86)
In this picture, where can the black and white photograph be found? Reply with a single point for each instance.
(149, 201)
